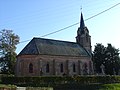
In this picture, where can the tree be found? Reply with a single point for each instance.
(8, 42)
(98, 57)
(112, 61)
(107, 56)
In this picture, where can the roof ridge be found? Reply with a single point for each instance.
(54, 40)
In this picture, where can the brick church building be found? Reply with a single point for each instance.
(48, 57)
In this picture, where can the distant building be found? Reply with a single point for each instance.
(47, 57)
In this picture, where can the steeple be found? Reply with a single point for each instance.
(83, 38)
(82, 24)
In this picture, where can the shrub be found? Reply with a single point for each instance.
(54, 81)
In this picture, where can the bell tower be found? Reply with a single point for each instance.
(83, 38)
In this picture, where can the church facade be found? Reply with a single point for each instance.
(48, 57)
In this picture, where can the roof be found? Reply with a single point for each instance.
(82, 24)
(41, 46)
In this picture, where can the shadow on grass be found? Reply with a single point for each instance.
(88, 87)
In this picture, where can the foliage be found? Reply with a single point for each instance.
(66, 83)
(107, 56)
(8, 42)
(88, 87)
(112, 61)
(7, 86)
(98, 57)
(39, 88)
(54, 81)
(115, 86)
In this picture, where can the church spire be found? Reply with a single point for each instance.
(83, 38)
(82, 24)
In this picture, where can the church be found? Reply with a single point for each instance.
(48, 57)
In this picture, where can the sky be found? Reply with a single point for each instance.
(35, 18)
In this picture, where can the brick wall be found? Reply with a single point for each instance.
(40, 62)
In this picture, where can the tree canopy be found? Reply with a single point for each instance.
(8, 42)
(107, 56)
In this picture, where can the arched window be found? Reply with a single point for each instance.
(20, 66)
(47, 68)
(85, 65)
(30, 68)
(90, 64)
(74, 69)
(61, 67)
(85, 69)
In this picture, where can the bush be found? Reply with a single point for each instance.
(54, 81)
(7, 87)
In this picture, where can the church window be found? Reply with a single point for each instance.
(61, 67)
(90, 65)
(85, 69)
(85, 65)
(74, 69)
(30, 68)
(47, 68)
(20, 66)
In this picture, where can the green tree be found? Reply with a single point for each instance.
(108, 56)
(8, 42)
(112, 61)
(98, 57)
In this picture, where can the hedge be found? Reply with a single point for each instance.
(7, 87)
(55, 80)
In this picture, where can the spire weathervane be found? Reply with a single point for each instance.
(81, 8)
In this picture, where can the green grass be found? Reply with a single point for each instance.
(93, 87)
(110, 87)
(88, 87)
(7, 86)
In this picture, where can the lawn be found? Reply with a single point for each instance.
(7, 86)
(110, 87)
(91, 87)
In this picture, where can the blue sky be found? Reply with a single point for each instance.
(35, 18)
